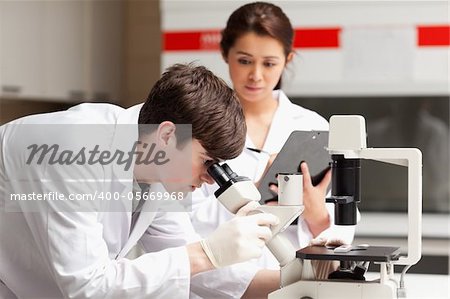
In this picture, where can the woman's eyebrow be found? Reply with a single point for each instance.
(244, 53)
(265, 57)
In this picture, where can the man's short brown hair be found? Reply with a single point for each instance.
(189, 94)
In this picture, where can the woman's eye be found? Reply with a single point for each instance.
(244, 61)
(270, 64)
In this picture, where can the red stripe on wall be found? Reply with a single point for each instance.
(433, 35)
(192, 40)
(209, 40)
(317, 38)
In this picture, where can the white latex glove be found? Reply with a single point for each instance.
(240, 239)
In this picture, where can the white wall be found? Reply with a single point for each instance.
(62, 51)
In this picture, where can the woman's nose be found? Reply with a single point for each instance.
(256, 73)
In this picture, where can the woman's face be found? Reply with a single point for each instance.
(255, 64)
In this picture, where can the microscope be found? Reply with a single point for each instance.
(235, 191)
(299, 279)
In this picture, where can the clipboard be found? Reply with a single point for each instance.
(308, 146)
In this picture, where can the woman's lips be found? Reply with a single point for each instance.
(252, 88)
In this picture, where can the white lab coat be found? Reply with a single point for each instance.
(51, 254)
(207, 213)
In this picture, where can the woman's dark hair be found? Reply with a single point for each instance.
(189, 94)
(262, 18)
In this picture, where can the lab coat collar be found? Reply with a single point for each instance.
(285, 106)
(285, 115)
(125, 135)
(130, 115)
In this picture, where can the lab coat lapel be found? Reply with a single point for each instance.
(144, 220)
(126, 133)
(142, 223)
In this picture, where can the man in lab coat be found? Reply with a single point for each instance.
(72, 203)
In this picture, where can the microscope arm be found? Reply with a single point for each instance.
(411, 158)
(348, 138)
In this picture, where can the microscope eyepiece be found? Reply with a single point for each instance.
(224, 176)
(229, 171)
(219, 174)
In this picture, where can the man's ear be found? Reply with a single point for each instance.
(166, 133)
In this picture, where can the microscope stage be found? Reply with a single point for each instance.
(369, 254)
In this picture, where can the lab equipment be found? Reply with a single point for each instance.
(290, 188)
(299, 271)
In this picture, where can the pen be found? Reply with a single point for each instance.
(259, 151)
(254, 149)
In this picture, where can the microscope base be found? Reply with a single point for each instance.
(336, 290)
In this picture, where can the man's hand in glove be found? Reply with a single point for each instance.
(240, 239)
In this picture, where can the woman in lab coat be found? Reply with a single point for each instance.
(257, 46)
(76, 249)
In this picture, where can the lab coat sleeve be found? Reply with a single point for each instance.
(72, 246)
(228, 282)
(168, 229)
